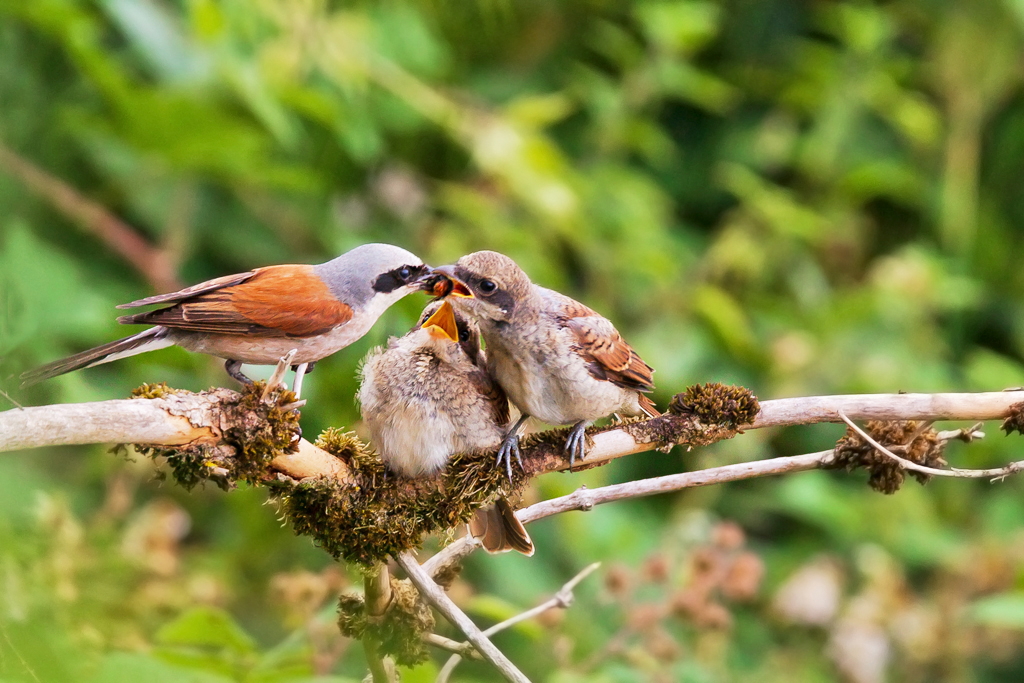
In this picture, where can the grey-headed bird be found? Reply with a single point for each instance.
(258, 316)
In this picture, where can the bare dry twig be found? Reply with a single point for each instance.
(436, 596)
(562, 599)
(585, 499)
(996, 474)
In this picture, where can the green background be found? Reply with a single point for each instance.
(800, 197)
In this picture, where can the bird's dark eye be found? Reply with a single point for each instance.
(463, 335)
(487, 286)
(404, 273)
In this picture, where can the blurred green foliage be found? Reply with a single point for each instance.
(802, 197)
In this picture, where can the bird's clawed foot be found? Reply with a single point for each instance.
(510, 448)
(234, 370)
(576, 444)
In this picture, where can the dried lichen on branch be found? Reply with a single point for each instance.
(371, 515)
(375, 515)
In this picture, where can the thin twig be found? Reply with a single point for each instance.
(8, 397)
(585, 499)
(436, 596)
(995, 474)
(562, 599)
(464, 649)
(277, 377)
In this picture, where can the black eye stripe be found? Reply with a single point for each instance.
(392, 280)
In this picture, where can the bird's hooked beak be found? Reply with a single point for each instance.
(442, 282)
(442, 323)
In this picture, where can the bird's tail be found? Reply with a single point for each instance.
(148, 340)
(499, 530)
(647, 405)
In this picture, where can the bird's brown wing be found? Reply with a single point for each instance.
(608, 355)
(193, 291)
(484, 385)
(281, 301)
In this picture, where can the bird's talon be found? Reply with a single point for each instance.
(509, 448)
(575, 444)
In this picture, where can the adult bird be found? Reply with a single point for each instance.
(556, 359)
(428, 396)
(259, 316)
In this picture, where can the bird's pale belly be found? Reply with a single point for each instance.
(268, 350)
(561, 395)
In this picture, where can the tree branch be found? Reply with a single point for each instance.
(184, 419)
(152, 263)
(995, 473)
(563, 599)
(585, 499)
(436, 596)
(154, 421)
(377, 595)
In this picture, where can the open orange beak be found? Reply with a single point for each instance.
(443, 320)
(447, 284)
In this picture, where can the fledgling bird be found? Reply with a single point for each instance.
(427, 397)
(259, 316)
(556, 359)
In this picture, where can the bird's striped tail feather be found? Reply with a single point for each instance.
(147, 340)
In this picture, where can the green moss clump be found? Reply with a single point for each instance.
(158, 390)
(399, 631)
(1014, 422)
(189, 466)
(703, 414)
(885, 474)
(378, 514)
(260, 431)
(730, 406)
(255, 433)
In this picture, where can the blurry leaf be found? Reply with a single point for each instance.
(1004, 610)
(421, 673)
(401, 34)
(726, 317)
(539, 111)
(156, 36)
(207, 18)
(679, 27)
(987, 370)
(207, 627)
(36, 280)
(780, 210)
(691, 84)
(291, 660)
(123, 667)
(254, 91)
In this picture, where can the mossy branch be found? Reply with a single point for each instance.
(337, 490)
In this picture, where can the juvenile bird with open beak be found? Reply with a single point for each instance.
(428, 396)
(259, 316)
(556, 359)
